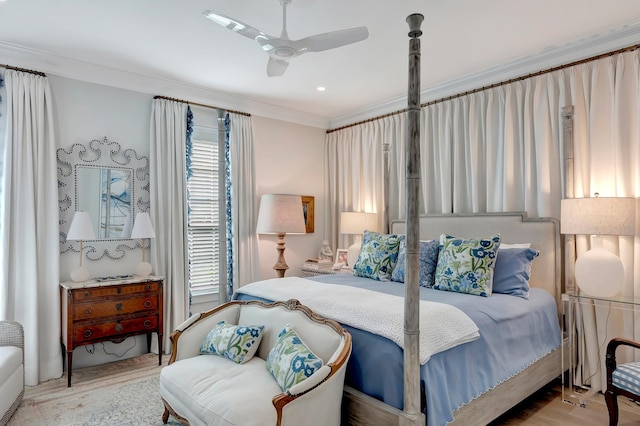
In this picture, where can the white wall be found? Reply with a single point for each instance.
(290, 160)
(83, 112)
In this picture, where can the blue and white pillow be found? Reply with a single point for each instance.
(428, 261)
(378, 256)
(290, 361)
(466, 265)
(512, 271)
(238, 343)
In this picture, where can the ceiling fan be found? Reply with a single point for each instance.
(281, 49)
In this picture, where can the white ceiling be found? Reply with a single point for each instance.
(465, 42)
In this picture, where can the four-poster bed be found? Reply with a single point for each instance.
(369, 402)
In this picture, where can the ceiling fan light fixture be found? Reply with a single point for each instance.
(284, 52)
(281, 49)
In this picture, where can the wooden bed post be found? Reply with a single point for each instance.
(412, 413)
(569, 240)
(386, 147)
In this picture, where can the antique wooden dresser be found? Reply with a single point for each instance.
(111, 309)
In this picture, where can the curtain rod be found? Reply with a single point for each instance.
(9, 67)
(201, 105)
(494, 85)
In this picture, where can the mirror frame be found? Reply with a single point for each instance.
(100, 154)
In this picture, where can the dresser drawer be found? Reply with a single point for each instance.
(115, 307)
(97, 292)
(113, 329)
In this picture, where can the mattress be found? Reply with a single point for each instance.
(514, 333)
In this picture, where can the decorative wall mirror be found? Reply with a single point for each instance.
(112, 185)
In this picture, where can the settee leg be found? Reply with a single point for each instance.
(165, 416)
(612, 406)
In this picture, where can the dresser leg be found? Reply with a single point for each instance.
(149, 342)
(69, 363)
(159, 348)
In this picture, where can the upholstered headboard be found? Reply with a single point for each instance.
(542, 233)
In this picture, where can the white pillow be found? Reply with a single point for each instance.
(510, 246)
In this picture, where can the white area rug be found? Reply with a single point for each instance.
(120, 393)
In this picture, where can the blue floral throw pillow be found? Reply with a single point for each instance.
(428, 261)
(290, 361)
(238, 343)
(466, 265)
(378, 256)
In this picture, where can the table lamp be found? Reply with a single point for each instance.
(142, 228)
(356, 223)
(280, 214)
(81, 229)
(598, 272)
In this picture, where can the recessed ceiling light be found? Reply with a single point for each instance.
(320, 88)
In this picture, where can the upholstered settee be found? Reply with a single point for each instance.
(253, 363)
(11, 368)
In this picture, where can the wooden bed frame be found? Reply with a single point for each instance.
(544, 236)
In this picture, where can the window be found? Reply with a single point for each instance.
(203, 200)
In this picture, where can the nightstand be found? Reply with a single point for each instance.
(573, 306)
(323, 270)
(114, 309)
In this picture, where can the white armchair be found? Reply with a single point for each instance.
(11, 368)
(213, 390)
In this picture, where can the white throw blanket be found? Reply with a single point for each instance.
(442, 326)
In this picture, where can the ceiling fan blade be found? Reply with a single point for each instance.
(235, 25)
(326, 41)
(276, 67)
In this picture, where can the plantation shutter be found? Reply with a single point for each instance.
(203, 218)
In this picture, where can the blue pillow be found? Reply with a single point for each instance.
(378, 256)
(512, 271)
(428, 261)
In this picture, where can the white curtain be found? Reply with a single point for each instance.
(244, 209)
(29, 278)
(491, 151)
(354, 172)
(168, 183)
(606, 97)
(502, 149)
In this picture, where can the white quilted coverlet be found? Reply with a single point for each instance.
(442, 326)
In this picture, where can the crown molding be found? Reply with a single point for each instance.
(618, 38)
(22, 57)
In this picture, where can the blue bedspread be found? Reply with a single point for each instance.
(514, 333)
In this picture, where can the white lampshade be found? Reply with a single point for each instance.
(598, 216)
(356, 223)
(81, 227)
(142, 227)
(281, 213)
(598, 272)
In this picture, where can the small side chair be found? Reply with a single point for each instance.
(623, 379)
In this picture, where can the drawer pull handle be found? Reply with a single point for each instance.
(119, 327)
(147, 287)
(147, 303)
(147, 323)
(87, 334)
(88, 312)
(86, 294)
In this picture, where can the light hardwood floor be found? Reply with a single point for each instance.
(545, 408)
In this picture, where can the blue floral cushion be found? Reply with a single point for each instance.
(512, 271)
(290, 360)
(239, 343)
(466, 265)
(378, 256)
(428, 261)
